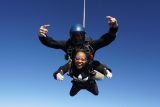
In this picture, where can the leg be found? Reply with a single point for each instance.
(92, 87)
(75, 89)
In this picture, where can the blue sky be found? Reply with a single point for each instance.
(26, 66)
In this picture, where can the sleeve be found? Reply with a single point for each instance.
(62, 70)
(105, 39)
(49, 42)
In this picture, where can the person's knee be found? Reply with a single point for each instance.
(96, 93)
(72, 94)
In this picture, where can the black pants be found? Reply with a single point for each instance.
(91, 86)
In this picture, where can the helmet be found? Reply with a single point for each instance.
(77, 28)
(77, 34)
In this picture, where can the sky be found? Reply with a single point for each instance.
(26, 65)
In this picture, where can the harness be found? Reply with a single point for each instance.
(86, 45)
(70, 55)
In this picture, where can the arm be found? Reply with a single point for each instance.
(58, 75)
(107, 38)
(48, 41)
(101, 70)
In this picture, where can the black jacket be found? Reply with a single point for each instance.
(87, 71)
(103, 41)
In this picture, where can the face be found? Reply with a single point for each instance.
(80, 60)
(77, 37)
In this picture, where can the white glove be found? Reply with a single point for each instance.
(59, 76)
(109, 74)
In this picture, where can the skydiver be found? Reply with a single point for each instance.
(82, 77)
(78, 40)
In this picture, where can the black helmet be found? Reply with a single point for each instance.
(77, 34)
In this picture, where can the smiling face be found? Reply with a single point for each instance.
(80, 60)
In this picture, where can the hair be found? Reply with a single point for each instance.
(84, 51)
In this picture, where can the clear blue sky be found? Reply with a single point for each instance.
(26, 66)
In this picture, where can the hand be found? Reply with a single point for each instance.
(112, 21)
(43, 30)
(109, 74)
(59, 76)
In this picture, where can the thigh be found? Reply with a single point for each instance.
(93, 88)
(74, 90)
